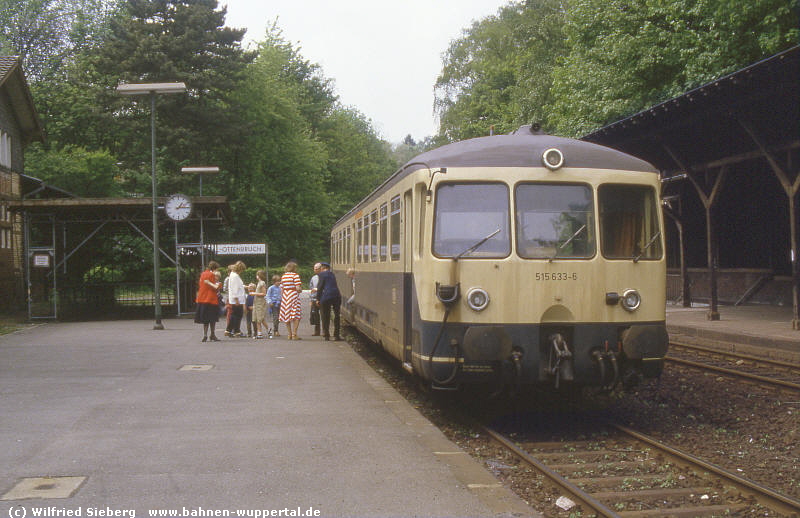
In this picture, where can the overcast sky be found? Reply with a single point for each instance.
(384, 55)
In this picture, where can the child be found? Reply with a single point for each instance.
(260, 305)
(250, 288)
(274, 301)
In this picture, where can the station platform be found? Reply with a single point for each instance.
(758, 329)
(118, 419)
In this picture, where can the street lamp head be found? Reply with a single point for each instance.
(150, 88)
(201, 170)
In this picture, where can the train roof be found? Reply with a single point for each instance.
(522, 148)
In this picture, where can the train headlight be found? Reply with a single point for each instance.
(631, 300)
(477, 299)
(553, 159)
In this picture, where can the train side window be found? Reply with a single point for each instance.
(629, 223)
(382, 231)
(365, 248)
(472, 220)
(359, 237)
(555, 221)
(394, 226)
(348, 243)
(373, 235)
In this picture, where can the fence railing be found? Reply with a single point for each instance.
(120, 300)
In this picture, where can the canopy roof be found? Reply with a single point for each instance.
(719, 122)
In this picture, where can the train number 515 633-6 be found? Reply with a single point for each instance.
(556, 276)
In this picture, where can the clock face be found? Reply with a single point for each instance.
(178, 207)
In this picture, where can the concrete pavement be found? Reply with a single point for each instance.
(141, 420)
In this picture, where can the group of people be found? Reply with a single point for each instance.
(281, 301)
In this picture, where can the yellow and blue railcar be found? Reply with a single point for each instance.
(521, 259)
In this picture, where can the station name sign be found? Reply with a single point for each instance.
(239, 248)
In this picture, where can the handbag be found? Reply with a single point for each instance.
(314, 316)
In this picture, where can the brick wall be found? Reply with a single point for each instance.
(11, 239)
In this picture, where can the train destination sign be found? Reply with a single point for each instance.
(239, 248)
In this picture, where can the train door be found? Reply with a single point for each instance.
(407, 242)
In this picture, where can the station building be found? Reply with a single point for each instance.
(19, 126)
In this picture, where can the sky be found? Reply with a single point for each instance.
(383, 55)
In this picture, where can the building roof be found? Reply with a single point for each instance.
(12, 80)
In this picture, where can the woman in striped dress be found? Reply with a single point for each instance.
(290, 300)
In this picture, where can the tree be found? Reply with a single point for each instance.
(76, 170)
(47, 33)
(358, 161)
(498, 75)
(155, 41)
(628, 55)
(279, 191)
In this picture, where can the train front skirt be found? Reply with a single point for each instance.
(590, 354)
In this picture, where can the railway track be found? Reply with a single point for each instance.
(616, 472)
(763, 371)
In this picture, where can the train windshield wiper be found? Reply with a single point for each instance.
(568, 241)
(648, 245)
(476, 245)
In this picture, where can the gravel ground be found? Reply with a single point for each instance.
(743, 428)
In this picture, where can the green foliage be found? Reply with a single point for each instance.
(498, 75)
(48, 34)
(358, 161)
(625, 56)
(291, 158)
(278, 193)
(575, 65)
(90, 174)
(102, 274)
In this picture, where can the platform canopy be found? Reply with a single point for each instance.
(721, 122)
(737, 138)
(102, 209)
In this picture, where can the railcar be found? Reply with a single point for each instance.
(510, 260)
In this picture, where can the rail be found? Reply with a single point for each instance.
(572, 466)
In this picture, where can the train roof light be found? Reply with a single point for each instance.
(553, 159)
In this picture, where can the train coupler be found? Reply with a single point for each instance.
(561, 364)
(608, 380)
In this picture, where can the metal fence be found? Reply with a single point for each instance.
(119, 300)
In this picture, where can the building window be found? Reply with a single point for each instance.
(5, 149)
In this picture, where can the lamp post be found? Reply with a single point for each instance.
(200, 171)
(153, 89)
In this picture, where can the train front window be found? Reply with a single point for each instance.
(555, 221)
(629, 224)
(472, 220)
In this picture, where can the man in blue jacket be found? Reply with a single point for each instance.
(328, 297)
